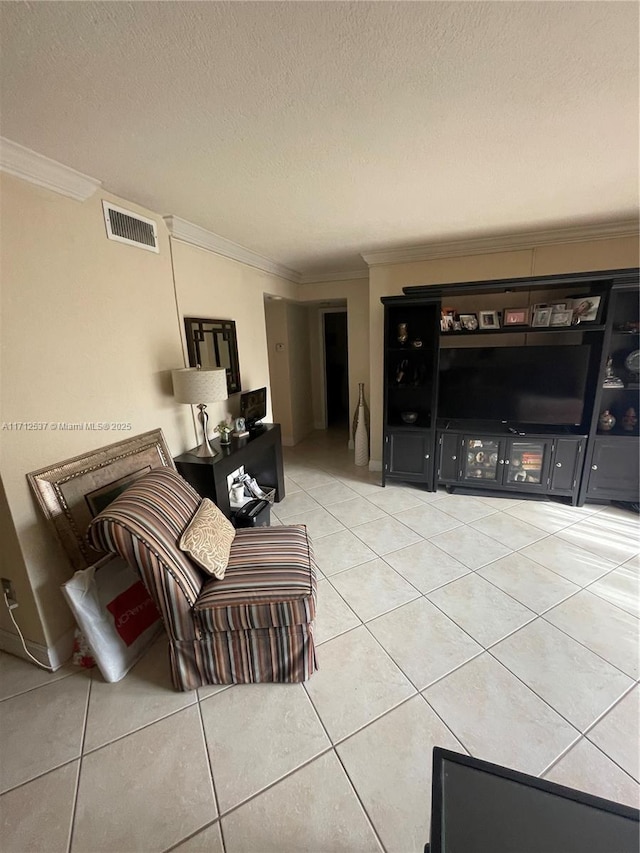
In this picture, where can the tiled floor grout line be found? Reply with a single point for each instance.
(140, 728)
(79, 773)
(210, 765)
(362, 805)
(38, 686)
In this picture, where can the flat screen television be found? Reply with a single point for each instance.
(477, 806)
(253, 407)
(519, 385)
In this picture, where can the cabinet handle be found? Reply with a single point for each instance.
(426, 456)
(454, 457)
(558, 464)
(502, 461)
(594, 467)
(506, 461)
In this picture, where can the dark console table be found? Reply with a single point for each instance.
(260, 453)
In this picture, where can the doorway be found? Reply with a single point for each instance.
(336, 368)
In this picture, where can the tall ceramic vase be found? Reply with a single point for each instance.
(361, 428)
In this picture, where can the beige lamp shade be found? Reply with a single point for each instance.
(196, 385)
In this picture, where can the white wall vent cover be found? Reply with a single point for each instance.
(128, 227)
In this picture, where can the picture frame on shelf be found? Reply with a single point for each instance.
(561, 318)
(488, 319)
(469, 322)
(541, 317)
(586, 309)
(516, 317)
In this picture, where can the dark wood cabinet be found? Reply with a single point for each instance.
(408, 455)
(260, 455)
(532, 464)
(410, 375)
(612, 472)
(561, 350)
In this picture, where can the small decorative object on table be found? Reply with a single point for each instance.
(403, 334)
(629, 420)
(409, 417)
(606, 421)
(225, 429)
(632, 363)
(610, 379)
(361, 428)
(241, 430)
(416, 343)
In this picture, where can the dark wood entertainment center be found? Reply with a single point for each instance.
(550, 453)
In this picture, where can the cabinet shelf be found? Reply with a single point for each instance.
(580, 328)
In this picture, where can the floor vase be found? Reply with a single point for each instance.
(361, 429)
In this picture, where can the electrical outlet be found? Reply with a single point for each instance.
(8, 590)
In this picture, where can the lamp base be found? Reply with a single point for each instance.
(205, 451)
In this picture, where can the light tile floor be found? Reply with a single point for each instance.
(504, 628)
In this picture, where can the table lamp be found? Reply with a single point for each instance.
(194, 384)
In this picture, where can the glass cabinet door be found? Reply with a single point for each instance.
(525, 461)
(481, 459)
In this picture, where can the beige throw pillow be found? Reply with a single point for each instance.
(207, 539)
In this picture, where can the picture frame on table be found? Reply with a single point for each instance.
(516, 317)
(541, 318)
(489, 319)
(561, 318)
(469, 322)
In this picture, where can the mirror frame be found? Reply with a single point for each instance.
(195, 328)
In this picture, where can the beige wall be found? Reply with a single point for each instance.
(287, 330)
(91, 329)
(356, 294)
(208, 285)
(389, 279)
(89, 334)
(299, 372)
(278, 334)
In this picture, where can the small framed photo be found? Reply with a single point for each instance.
(541, 318)
(489, 320)
(561, 318)
(561, 306)
(469, 322)
(516, 317)
(586, 309)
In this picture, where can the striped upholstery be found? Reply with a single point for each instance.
(254, 625)
(270, 582)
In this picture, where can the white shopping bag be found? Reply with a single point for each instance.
(115, 613)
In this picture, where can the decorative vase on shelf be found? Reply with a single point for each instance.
(606, 421)
(629, 420)
(361, 428)
(403, 334)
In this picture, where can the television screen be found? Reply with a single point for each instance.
(525, 385)
(253, 406)
(478, 806)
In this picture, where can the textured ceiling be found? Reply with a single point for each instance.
(310, 132)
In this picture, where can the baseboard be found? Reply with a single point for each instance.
(374, 465)
(51, 656)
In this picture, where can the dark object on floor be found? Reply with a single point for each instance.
(478, 806)
(632, 507)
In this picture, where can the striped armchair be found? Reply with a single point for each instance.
(255, 624)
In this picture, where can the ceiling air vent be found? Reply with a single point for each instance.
(127, 227)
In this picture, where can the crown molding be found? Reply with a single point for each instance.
(187, 232)
(316, 278)
(504, 243)
(37, 169)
